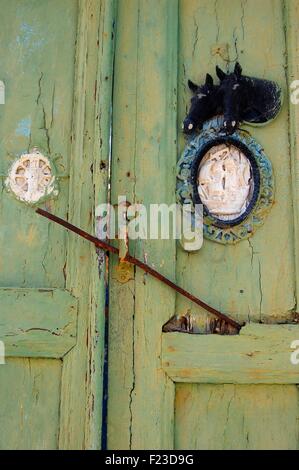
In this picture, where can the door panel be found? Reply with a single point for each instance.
(55, 56)
(30, 396)
(253, 280)
(37, 64)
(45, 323)
(143, 169)
(167, 390)
(37, 53)
(236, 417)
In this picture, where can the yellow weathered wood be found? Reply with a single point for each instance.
(37, 322)
(291, 18)
(253, 417)
(260, 354)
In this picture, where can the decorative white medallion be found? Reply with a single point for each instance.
(225, 183)
(31, 178)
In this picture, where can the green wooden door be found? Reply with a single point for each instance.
(174, 390)
(54, 60)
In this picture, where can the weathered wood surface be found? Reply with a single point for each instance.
(71, 121)
(260, 354)
(30, 395)
(236, 417)
(56, 63)
(37, 65)
(291, 18)
(81, 398)
(141, 411)
(253, 280)
(37, 50)
(37, 322)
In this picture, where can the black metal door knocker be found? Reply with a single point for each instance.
(223, 167)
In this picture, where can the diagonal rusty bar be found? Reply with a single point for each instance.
(145, 267)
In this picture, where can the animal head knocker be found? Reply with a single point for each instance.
(232, 92)
(247, 99)
(204, 104)
(238, 97)
(223, 168)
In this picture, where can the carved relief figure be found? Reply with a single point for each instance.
(225, 184)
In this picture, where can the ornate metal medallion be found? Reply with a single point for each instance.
(233, 179)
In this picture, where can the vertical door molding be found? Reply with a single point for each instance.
(81, 401)
(144, 150)
(291, 19)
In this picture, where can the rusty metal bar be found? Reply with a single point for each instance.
(145, 267)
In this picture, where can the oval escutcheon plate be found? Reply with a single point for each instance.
(231, 177)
